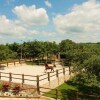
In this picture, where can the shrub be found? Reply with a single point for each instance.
(16, 89)
(0, 85)
(5, 86)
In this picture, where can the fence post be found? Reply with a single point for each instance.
(0, 75)
(56, 73)
(19, 61)
(76, 95)
(57, 76)
(38, 87)
(7, 64)
(38, 62)
(56, 94)
(69, 70)
(64, 73)
(49, 78)
(10, 78)
(14, 63)
(22, 79)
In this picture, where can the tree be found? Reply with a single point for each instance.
(92, 65)
(6, 53)
(16, 48)
(67, 48)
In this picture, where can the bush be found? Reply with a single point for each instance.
(16, 89)
(5, 86)
(0, 85)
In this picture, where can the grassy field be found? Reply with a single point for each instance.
(61, 89)
(69, 91)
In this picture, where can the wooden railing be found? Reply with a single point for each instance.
(56, 94)
(37, 79)
(20, 61)
(29, 93)
(12, 62)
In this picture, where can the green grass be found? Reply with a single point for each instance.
(68, 91)
(0, 84)
(60, 88)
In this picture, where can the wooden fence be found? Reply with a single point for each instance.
(23, 94)
(13, 62)
(11, 77)
(56, 94)
(20, 61)
(37, 79)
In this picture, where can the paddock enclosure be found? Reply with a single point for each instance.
(34, 75)
(27, 74)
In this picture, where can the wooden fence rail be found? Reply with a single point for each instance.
(55, 94)
(47, 76)
(20, 61)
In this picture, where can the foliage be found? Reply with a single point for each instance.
(71, 90)
(85, 60)
(92, 65)
(60, 89)
(29, 63)
(34, 49)
(6, 53)
(83, 57)
(5, 86)
(16, 89)
(67, 48)
(89, 72)
(0, 85)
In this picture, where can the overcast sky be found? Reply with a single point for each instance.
(49, 20)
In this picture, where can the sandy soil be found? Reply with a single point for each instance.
(28, 70)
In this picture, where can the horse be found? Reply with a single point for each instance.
(49, 67)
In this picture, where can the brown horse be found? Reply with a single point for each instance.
(49, 67)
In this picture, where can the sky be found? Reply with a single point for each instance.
(49, 20)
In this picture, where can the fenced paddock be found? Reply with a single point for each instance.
(28, 74)
(34, 75)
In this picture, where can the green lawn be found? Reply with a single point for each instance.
(61, 88)
(69, 90)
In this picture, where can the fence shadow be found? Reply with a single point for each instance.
(84, 92)
(68, 94)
